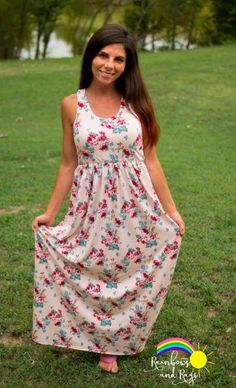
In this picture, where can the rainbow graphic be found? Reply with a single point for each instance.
(175, 343)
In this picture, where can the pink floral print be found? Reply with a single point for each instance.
(102, 274)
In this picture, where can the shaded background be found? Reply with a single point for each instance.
(28, 26)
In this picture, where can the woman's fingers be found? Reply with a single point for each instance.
(42, 219)
(182, 228)
(34, 226)
(174, 215)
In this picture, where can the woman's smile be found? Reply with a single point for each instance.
(106, 73)
(109, 63)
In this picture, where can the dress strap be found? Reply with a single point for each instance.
(79, 106)
(79, 95)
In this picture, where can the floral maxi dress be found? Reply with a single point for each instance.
(102, 274)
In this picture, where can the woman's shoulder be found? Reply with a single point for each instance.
(69, 106)
(69, 99)
(72, 99)
(69, 102)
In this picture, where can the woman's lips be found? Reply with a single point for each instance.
(105, 73)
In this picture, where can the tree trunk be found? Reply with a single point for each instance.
(46, 39)
(39, 34)
(153, 41)
(21, 33)
(173, 35)
(192, 21)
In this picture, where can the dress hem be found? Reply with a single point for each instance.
(83, 349)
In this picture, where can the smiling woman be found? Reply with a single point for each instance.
(102, 274)
(107, 66)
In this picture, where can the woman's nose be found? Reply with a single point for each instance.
(109, 64)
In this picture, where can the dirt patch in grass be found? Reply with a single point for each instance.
(17, 209)
(225, 298)
(54, 159)
(8, 340)
(212, 313)
(12, 210)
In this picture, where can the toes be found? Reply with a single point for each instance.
(113, 367)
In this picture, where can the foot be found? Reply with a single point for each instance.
(108, 363)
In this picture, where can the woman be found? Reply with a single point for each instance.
(102, 274)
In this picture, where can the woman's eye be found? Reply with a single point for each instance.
(103, 55)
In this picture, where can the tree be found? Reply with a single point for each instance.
(136, 19)
(175, 15)
(79, 19)
(192, 8)
(156, 22)
(161, 19)
(225, 19)
(15, 28)
(111, 9)
(45, 14)
(205, 28)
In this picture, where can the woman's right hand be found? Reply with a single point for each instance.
(42, 219)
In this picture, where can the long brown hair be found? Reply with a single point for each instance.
(130, 84)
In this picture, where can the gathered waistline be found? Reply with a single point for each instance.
(109, 162)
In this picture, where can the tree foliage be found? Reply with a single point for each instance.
(15, 27)
(202, 22)
(80, 18)
(225, 19)
(45, 14)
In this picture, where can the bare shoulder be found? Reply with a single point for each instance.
(69, 107)
(69, 102)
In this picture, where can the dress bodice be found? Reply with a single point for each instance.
(114, 139)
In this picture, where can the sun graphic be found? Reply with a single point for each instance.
(199, 359)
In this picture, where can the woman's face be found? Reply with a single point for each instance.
(109, 63)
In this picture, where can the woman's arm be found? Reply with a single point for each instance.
(69, 160)
(161, 186)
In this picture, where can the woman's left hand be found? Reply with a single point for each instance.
(178, 219)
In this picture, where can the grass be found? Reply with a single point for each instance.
(195, 104)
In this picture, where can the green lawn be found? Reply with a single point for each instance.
(195, 103)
